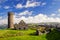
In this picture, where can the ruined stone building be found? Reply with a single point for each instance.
(20, 25)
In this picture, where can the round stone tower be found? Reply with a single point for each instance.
(10, 20)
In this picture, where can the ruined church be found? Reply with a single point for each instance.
(20, 25)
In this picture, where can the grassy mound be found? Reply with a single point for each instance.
(27, 35)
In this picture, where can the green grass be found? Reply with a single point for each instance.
(27, 35)
(54, 35)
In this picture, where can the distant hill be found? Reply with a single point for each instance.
(45, 23)
(4, 26)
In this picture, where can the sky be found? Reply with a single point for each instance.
(31, 11)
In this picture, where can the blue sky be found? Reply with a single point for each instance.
(30, 10)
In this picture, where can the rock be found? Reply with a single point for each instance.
(38, 32)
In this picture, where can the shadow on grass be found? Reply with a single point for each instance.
(54, 35)
(33, 34)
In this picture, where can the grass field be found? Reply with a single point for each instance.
(27, 35)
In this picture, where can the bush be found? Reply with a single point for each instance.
(53, 35)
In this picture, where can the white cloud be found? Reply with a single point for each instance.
(19, 6)
(25, 13)
(7, 7)
(37, 19)
(32, 4)
(28, 4)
